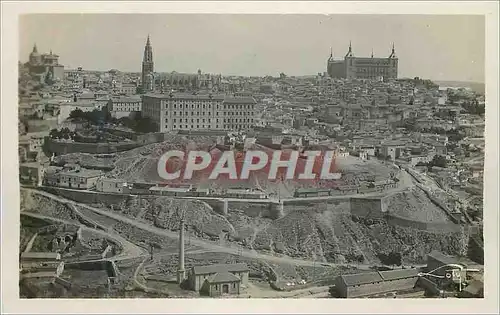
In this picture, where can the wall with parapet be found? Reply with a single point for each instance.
(87, 196)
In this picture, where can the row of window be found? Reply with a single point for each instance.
(192, 120)
(205, 106)
(236, 120)
(126, 109)
(71, 179)
(226, 127)
(208, 113)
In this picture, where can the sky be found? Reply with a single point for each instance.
(436, 47)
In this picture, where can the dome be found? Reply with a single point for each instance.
(35, 51)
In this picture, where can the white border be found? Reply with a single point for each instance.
(9, 170)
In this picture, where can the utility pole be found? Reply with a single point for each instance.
(314, 268)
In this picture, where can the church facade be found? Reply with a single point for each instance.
(351, 67)
(167, 82)
(45, 66)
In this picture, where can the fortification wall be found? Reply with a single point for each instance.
(438, 227)
(107, 265)
(367, 207)
(87, 196)
(39, 125)
(265, 210)
(63, 147)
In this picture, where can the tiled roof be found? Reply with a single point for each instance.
(222, 277)
(240, 100)
(379, 276)
(361, 278)
(220, 268)
(399, 274)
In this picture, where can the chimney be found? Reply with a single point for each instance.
(181, 273)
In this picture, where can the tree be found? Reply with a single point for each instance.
(439, 161)
(76, 113)
(392, 258)
(54, 134)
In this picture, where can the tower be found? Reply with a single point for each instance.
(35, 57)
(350, 67)
(181, 272)
(349, 52)
(393, 59)
(393, 52)
(147, 67)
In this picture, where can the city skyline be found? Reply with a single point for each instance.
(434, 47)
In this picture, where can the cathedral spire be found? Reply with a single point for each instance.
(147, 79)
(35, 50)
(349, 52)
(393, 52)
(148, 51)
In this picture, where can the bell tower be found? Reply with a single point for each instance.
(147, 67)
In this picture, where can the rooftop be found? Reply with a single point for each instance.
(180, 96)
(399, 274)
(361, 278)
(378, 276)
(220, 268)
(83, 173)
(222, 277)
(240, 100)
(41, 255)
(126, 99)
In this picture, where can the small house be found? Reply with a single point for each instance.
(214, 279)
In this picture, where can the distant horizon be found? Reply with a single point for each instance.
(439, 48)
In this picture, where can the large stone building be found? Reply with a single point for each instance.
(351, 67)
(45, 66)
(124, 106)
(198, 111)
